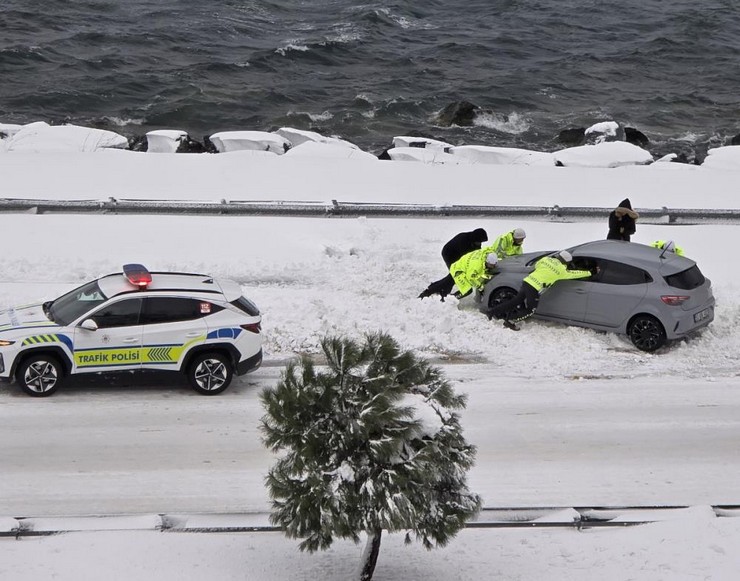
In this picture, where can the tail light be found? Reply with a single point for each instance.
(674, 300)
(252, 327)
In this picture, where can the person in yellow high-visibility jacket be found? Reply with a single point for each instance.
(547, 271)
(509, 243)
(668, 245)
(473, 270)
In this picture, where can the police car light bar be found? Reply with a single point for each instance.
(137, 274)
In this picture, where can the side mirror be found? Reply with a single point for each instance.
(89, 324)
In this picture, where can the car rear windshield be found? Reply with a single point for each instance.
(244, 304)
(687, 279)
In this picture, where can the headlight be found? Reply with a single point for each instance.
(4, 343)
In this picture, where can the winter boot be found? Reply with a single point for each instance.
(513, 326)
(425, 294)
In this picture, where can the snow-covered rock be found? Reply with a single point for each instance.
(425, 155)
(723, 158)
(605, 131)
(502, 155)
(669, 157)
(607, 154)
(165, 140)
(226, 141)
(299, 136)
(327, 150)
(41, 137)
(420, 142)
(8, 130)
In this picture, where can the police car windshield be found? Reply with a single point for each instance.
(76, 303)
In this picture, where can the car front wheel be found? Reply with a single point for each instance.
(647, 333)
(501, 295)
(40, 375)
(210, 373)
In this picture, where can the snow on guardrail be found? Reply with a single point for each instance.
(530, 517)
(337, 208)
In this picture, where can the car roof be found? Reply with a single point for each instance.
(633, 253)
(116, 283)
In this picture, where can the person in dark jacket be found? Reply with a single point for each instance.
(622, 221)
(460, 245)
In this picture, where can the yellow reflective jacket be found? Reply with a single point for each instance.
(504, 246)
(660, 244)
(550, 270)
(470, 271)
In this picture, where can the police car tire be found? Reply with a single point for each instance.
(207, 369)
(40, 375)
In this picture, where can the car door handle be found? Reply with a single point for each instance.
(195, 334)
(581, 291)
(131, 340)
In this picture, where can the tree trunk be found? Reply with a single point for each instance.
(370, 555)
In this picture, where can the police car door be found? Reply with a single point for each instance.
(171, 327)
(116, 343)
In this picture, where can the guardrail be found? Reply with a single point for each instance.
(491, 517)
(336, 208)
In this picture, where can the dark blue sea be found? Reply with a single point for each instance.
(369, 70)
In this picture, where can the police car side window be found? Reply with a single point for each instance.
(124, 313)
(159, 310)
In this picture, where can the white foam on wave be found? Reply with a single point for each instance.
(514, 123)
(291, 46)
(343, 37)
(324, 116)
(121, 122)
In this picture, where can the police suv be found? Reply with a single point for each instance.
(135, 320)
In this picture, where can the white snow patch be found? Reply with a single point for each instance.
(484, 154)
(164, 140)
(609, 154)
(227, 141)
(41, 137)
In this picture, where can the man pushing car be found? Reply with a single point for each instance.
(547, 271)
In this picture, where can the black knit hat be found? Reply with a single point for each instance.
(480, 235)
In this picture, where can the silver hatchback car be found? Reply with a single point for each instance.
(650, 295)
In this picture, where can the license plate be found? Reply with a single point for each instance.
(701, 315)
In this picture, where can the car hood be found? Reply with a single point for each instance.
(518, 262)
(23, 318)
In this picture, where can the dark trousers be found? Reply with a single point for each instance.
(522, 305)
(443, 286)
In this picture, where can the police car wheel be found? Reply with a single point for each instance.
(210, 373)
(40, 375)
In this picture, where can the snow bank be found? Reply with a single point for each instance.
(226, 141)
(502, 155)
(425, 155)
(723, 158)
(299, 136)
(328, 150)
(164, 140)
(42, 137)
(609, 154)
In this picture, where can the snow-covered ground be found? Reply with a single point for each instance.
(669, 414)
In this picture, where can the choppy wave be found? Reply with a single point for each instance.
(370, 70)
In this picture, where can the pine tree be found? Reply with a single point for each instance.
(370, 442)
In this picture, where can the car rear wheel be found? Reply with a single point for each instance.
(40, 375)
(210, 373)
(647, 333)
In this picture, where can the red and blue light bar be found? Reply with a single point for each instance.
(137, 275)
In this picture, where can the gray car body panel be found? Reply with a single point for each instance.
(599, 302)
